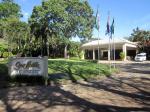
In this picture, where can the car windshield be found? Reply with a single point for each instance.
(140, 55)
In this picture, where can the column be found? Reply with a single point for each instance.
(108, 55)
(83, 54)
(125, 51)
(93, 54)
(101, 54)
(137, 51)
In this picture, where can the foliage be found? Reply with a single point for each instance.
(50, 28)
(5, 54)
(74, 49)
(3, 47)
(122, 55)
(16, 33)
(1, 53)
(61, 19)
(9, 9)
(142, 37)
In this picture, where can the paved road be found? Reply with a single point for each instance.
(135, 69)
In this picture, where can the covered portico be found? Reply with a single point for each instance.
(121, 45)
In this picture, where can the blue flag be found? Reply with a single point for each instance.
(112, 27)
(107, 27)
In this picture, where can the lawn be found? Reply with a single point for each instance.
(64, 69)
(76, 70)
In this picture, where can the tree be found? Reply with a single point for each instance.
(9, 12)
(61, 19)
(9, 9)
(11, 28)
(16, 33)
(74, 49)
(19, 36)
(142, 37)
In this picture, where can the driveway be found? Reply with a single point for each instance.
(140, 69)
(128, 91)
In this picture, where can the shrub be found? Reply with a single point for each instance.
(5, 54)
(122, 55)
(11, 54)
(81, 54)
(1, 53)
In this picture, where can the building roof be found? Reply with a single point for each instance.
(106, 42)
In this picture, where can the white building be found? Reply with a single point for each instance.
(121, 45)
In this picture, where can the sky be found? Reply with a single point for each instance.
(128, 14)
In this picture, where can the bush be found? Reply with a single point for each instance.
(122, 55)
(1, 53)
(10, 54)
(81, 54)
(7, 54)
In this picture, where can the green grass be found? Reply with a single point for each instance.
(76, 70)
(65, 69)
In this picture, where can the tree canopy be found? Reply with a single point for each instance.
(12, 29)
(9, 9)
(142, 37)
(62, 19)
(49, 29)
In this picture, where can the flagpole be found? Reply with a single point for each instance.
(98, 53)
(111, 43)
(98, 41)
(112, 33)
(109, 55)
(98, 46)
(114, 50)
(111, 48)
(108, 32)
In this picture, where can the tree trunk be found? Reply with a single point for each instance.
(47, 48)
(41, 46)
(65, 51)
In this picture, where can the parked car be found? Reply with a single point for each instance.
(140, 57)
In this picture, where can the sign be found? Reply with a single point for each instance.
(31, 66)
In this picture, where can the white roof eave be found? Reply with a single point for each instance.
(95, 43)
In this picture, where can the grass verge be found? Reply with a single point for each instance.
(61, 70)
(76, 70)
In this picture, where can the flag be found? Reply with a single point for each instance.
(107, 26)
(112, 27)
(97, 19)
